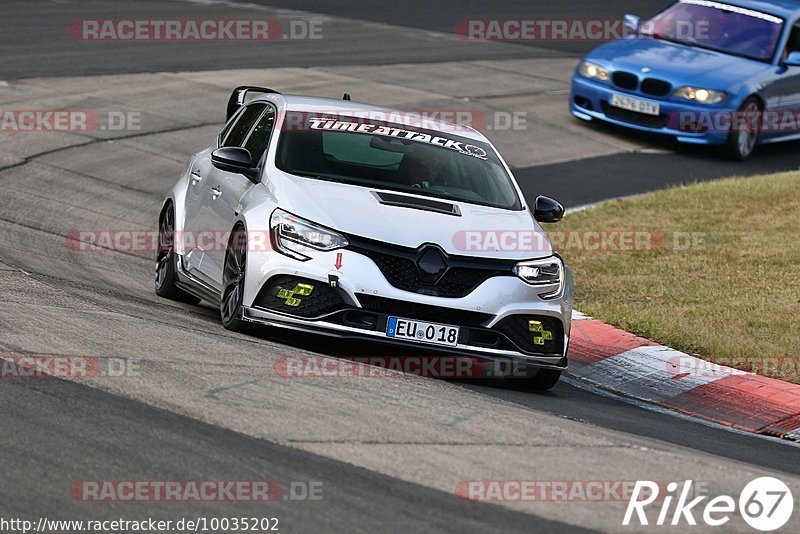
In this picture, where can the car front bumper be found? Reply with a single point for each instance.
(491, 318)
(591, 101)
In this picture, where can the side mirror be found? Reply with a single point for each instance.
(793, 60)
(236, 160)
(547, 210)
(632, 22)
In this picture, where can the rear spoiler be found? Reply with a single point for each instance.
(240, 93)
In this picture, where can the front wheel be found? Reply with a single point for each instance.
(743, 137)
(233, 277)
(544, 380)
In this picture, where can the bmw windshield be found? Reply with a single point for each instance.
(718, 26)
(393, 156)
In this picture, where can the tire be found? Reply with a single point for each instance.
(742, 142)
(543, 380)
(233, 277)
(165, 261)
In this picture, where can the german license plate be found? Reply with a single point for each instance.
(422, 332)
(635, 104)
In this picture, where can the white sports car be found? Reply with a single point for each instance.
(355, 221)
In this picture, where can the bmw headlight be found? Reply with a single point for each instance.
(700, 95)
(297, 238)
(593, 70)
(544, 272)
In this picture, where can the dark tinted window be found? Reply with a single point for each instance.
(259, 140)
(718, 26)
(393, 156)
(238, 132)
(794, 41)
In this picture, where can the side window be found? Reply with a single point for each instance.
(258, 141)
(243, 125)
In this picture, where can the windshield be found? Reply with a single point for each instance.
(717, 26)
(392, 156)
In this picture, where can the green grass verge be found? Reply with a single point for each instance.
(721, 280)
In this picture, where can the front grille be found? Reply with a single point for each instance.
(320, 300)
(625, 80)
(633, 117)
(423, 312)
(399, 266)
(656, 87)
(519, 330)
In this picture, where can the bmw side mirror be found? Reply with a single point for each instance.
(547, 210)
(236, 160)
(793, 60)
(632, 22)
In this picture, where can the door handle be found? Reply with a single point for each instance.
(215, 193)
(196, 177)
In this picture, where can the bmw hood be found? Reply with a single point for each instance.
(359, 211)
(677, 63)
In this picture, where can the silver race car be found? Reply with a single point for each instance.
(355, 221)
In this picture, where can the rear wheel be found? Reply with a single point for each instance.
(743, 138)
(233, 277)
(165, 260)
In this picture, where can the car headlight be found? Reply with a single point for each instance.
(544, 272)
(297, 238)
(593, 70)
(700, 95)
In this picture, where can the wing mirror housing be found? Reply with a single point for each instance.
(547, 210)
(236, 160)
(793, 60)
(632, 22)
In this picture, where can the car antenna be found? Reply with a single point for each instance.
(346, 96)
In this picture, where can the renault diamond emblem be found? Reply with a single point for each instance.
(431, 265)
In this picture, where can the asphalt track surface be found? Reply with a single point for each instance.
(58, 432)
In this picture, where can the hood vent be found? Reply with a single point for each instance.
(405, 201)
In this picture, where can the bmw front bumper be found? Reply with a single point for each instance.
(591, 101)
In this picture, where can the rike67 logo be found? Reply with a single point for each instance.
(765, 504)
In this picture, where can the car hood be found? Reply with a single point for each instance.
(677, 63)
(479, 231)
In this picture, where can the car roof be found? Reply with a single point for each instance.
(408, 118)
(787, 9)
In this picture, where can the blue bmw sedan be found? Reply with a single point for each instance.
(701, 71)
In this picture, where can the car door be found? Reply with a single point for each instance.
(203, 230)
(227, 189)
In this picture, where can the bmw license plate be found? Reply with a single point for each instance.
(420, 331)
(635, 104)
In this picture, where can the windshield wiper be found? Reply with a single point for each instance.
(316, 176)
